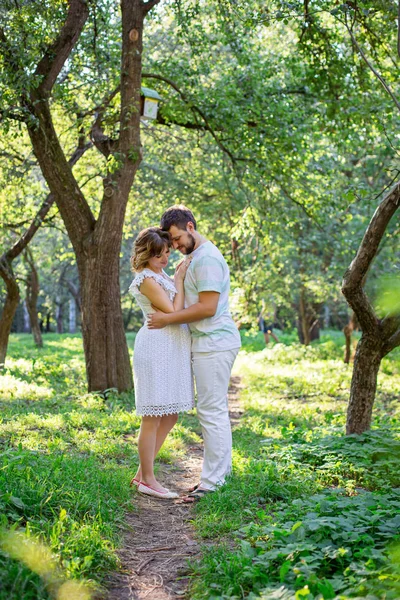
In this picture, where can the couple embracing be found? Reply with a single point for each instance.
(168, 352)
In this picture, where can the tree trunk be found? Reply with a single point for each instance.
(108, 363)
(72, 315)
(327, 316)
(10, 306)
(96, 241)
(303, 324)
(59, 315)
(27, 321)
(6, 271)
(308, 321)
(32, 293)
(379, 336)
(363, 384)
(348, 330)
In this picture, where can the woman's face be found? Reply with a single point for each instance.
(156, 263)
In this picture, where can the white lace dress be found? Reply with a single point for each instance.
(161, 359)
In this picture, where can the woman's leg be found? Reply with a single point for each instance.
(146, 447)
(166, 423)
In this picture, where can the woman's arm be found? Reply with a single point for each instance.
(204, 308)
(157, 295)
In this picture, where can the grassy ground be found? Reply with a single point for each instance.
(307, 513)
(66, 459)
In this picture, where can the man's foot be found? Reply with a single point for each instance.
(196, 495)
(194, 487)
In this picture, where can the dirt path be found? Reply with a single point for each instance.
(160, 538)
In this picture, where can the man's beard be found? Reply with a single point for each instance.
(189, 249)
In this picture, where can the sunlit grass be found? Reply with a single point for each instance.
(288, 447)
(66, 459)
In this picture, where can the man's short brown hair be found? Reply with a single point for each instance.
(178, 215)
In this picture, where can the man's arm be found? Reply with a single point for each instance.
(204, 308)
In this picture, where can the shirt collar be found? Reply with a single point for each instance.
(199, 249)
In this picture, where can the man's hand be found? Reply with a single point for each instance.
(157, 320)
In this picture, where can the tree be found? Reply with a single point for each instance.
(96, 241)
(379, 336)
(9, 255)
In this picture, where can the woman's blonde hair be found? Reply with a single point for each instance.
(150, 242)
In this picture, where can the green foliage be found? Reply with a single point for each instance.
(388, 298)
(325, 543)
(308, 513)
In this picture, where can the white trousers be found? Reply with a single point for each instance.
(212, 371)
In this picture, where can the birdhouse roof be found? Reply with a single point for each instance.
(149, 93)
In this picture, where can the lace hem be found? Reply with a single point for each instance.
(167, 409)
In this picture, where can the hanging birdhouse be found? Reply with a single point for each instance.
(149, 103)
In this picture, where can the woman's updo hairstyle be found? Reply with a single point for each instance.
(150, 242)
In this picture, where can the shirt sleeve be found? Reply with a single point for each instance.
(209, 274)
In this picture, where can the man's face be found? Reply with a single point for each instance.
(182, 240)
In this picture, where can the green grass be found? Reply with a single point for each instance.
(308, 513)
(66, 459)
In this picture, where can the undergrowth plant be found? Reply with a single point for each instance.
(308, 512)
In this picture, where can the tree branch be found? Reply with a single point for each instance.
(398, 30)
(24, 240)
(372, 68)
(355, 275)
(103, 143)
(303, 208)
(57, 53)
(391, 343)
(147, 6)
(195, 109)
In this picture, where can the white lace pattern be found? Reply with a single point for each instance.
(162, 358)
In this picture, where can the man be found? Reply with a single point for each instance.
(215, 341)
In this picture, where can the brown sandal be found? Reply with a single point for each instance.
(194, 488)
(196, 496)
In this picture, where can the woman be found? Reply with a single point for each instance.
(161, 360)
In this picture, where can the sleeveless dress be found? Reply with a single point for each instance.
(162, 358)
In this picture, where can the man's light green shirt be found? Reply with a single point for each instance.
(208, 272)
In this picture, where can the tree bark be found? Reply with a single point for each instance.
(10, 306)
(59, 315)
(308, 321)
(363, 384)
(379, 336)
(106, 350)
(32, 293)
(348, 330)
